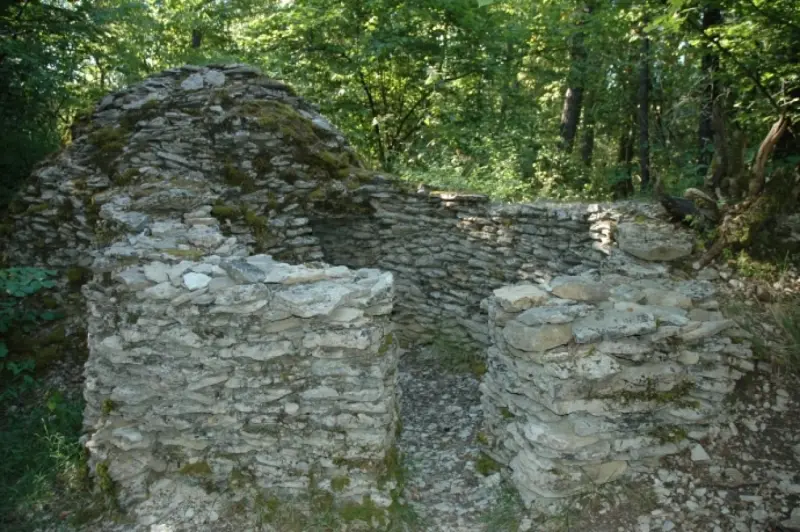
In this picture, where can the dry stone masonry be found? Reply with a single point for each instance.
(591, 375)
(242, 368)
(196, 208)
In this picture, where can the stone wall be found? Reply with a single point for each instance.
(227, 368)
(590, 375)
(449, 251)
(230, 144)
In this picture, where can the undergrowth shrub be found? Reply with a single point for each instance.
(42, 463)
(17, 285)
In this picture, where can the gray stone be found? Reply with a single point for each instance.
(553, 315)
(654, 241)
(243, 272)
(699, 454)
(579, 289)
(520, 297)
(539, 338)
(610, 325)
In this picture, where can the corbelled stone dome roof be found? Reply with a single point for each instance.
(222, 142)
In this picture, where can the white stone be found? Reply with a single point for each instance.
(196, 281)
(318, 299)
(214, 78)
(262, 351)
(192, 83)
(158, 292)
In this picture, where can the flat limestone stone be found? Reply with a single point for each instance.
(520, 297)
(609, 325)
(539, 338)
(654, 241)
(579, 289)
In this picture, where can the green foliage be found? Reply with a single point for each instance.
(17, 284)
(461, 94)
(787, 316)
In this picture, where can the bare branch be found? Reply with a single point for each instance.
(764, 152)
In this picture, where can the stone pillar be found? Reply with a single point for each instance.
(216, 369)
(588, 376)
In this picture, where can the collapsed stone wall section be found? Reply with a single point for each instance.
(221, 369)
(589, 375)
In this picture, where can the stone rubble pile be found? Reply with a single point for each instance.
(588, 376)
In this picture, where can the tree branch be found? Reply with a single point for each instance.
(764, 151)
(376, 126)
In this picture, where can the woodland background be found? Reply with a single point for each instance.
(514, 98)
(696, 102)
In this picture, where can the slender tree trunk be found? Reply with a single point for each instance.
(576, 79)
(712, 16)
(624, 187)
(197, 38)
(587, 139)
(644, 107)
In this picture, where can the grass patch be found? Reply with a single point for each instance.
(774, 331)
(486, 465)
(454, 358)
(506, 513)
(43, 467)
(787, 317)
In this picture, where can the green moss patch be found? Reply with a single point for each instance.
(197, 469)
(387, 343)
(486, 465)
(224, 212)
(669, 434)
(125, 178)
(281, 118)
(109, 143)
(339, 483)
(366, 511)
(235, 177)
(677, 395)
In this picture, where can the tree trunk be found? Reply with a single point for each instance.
(709, 64)
(624, 187)
(587, 140)
(197, 38)
(576, 79)
(644, 107)
(743, 221)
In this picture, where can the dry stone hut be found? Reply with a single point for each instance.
(247, 283)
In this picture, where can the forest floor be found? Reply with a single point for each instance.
(744, 479)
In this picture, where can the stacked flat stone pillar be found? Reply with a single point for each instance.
(241, 368)
(588, 376)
